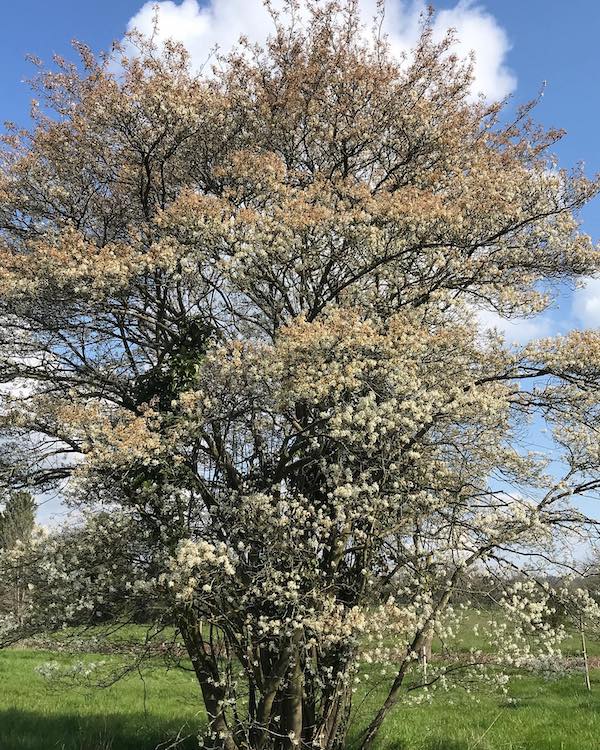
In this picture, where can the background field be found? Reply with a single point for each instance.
(152, 708)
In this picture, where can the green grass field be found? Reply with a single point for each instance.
(133, 714)
(153, 708)
(141, 712)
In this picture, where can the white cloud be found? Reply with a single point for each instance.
(478, 31)
(202, 26)
(516, 330)
(221, 22)
(586, 303)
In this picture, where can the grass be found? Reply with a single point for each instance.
(536, 715)
(143, 712)
(133, 714)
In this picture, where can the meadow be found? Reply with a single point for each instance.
(161, 708)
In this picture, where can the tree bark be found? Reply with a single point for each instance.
(334, 724)
(206, 670)
(394, 693)
(292, 701)
(586, 666)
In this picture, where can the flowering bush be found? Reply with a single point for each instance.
(239, 332)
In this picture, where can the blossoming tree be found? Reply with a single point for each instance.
(239, 333)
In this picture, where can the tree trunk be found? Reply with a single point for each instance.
(394, 694)
(218, 735)
(426, 647)
(309, 705)
(586, 666)
(292, 701)
(334, 724)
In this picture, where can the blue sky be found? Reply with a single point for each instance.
(557, 42)
(520, 45)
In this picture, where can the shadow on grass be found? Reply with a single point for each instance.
(28, 730)
(433, 743)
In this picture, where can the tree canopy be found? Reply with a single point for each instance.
(240, 334)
